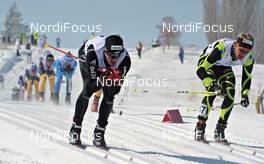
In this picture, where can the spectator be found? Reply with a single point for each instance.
(181, 54)
(58, 40)
(2, 80)
(139, 49)
(29, 53)
(17, 45)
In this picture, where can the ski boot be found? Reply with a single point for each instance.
(56, 99)
(68, 98)
(29, 98)
(51, 96)
(99, 140)
(95, 103)
(219, 134)
(41, 96)
(36, 96)
(200, 131)
(75, 135)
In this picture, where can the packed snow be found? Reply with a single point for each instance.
(35, 132)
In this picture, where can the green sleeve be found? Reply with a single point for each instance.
(207, 62)
(247, 75)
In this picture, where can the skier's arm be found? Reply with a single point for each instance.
(208, 62)
(41, 68)
(90, 67)
(246, 75)
(58, 67)
(74, 67)
(59, 76)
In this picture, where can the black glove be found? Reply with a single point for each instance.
(214, 87)
(244, 102)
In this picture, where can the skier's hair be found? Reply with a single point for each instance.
(245, 40)
(246, 36)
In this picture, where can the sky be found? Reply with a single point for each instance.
(134, 20)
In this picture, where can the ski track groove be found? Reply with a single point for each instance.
(35, 114)
(114, 155)
(133, 119)
(180, 134)
(86, 132)
(180, 131)
(29, 126)
(237, 149)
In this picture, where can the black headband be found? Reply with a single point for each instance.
(245, 43)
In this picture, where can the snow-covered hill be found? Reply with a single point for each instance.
(34, 132)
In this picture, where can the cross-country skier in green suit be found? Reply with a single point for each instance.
(215, 71)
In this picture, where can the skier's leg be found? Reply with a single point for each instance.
(205, 109)
(57, 89)
(227, 83)
(104, 112)
(68, 90)
(52, 82)
(42, 85)
(97, 95)
(29, 89)
(81, 107)
(36, 86)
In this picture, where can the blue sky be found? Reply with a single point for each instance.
(135, 20)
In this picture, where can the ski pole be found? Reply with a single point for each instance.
(219, 106)
(206, 93)
(69, 54)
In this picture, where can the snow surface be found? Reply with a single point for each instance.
(35, 132)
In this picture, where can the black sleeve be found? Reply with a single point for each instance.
(89, 68)
(81, 51)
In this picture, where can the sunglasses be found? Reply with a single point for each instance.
(243, 51)
(113, 55)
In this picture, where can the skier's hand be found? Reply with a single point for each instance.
(104, 74)
(214, 87)
(111, 74)
(114, 74)
(245, 101)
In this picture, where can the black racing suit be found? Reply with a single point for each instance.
(90, 72)
(224, 77)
